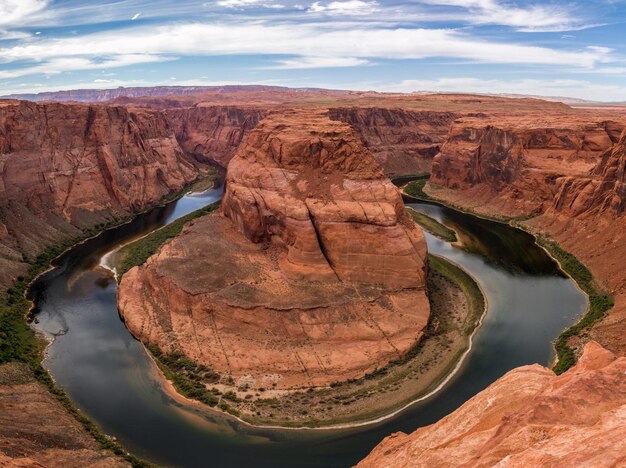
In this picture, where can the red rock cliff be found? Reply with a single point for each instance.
(67, 167)
(529, 417)
(213, 133)
(520, 163)
(308, 181)
(403, 141)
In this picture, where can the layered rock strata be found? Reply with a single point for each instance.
(403, 141)
(67, 167)
(518, 165)
(313, 275)
(213, 133)
(529, 417)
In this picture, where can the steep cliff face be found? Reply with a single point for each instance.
(213, 133)
(602, 191)
(402, 141)
(520, 164)
(529, 417)
(67, 167)
(314, 274)
(309, 181)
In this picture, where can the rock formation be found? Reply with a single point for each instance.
(517, 165)
(315, 275)
(529, 417)
(67, 167)
(213, 133)
(603, 191)
(402, 141)
(37, 431)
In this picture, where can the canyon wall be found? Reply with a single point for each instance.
(529, 417)
(570, 178)
(517, 165)
(213, 133)
(65, 167)
(403, 141)
(313, 274)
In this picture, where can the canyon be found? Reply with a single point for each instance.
(312, 273)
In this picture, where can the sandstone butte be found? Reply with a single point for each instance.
(313, 272)
(528, 417)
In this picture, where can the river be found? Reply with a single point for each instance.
(109, 376)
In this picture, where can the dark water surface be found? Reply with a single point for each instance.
(108, 375)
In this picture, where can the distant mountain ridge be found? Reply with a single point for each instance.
(102, 95)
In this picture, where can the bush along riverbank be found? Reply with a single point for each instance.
(600, 302)
(20, 343)
(457, 306)
(433, 226)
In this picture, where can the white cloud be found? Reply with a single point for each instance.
(247, 3)
(67, 64)
(528, 18)
(135, 16)
(545, 87)
(318, 62)
(322, 41)
(348, 7)
(19, 12)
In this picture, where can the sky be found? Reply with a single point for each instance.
(565, 48)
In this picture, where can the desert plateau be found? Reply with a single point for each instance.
(327, 234)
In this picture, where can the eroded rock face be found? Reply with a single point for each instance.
(603, 191)
(66, 167)
(402, 141)
(308, 181)
(521, 164)
(213, 133)
(37, 431)
(529, 417)
(314, 274)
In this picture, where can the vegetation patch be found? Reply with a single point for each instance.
(415, 189)
(600, 302)
(466, 283)
(138, 252)
(189, 378)
(433, 226)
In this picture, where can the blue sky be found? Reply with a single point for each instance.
(556, 48)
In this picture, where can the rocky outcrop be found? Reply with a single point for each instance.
(518, 166)
(315, 274)
(37, 431)
(308, 181)
(603, 191)
(213, 133)
(403, 141)
(529, 417)
(66, 167)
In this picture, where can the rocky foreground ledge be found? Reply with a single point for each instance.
(529, 417)
(314, 273)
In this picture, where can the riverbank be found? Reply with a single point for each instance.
(599, 301)
(20, 343)
(457, 305)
